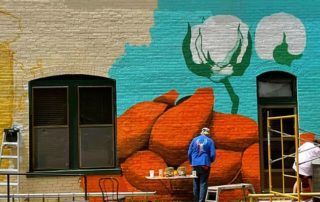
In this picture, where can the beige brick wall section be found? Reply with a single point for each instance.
(64, 37)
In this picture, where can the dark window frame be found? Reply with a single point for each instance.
(73, 82)
(263, 154)
(285, 102)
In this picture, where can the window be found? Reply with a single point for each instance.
(277, 87)
(72, 123)
(276, 94)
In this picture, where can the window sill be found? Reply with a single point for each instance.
(75, 172)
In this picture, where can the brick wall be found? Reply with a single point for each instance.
(45, 38)
(140, 44)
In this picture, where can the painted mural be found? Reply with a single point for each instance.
(283, 43)
(11, 26)
(278, 42)
(167, 128)
(198, 70)
(155, 134)
(218, 49)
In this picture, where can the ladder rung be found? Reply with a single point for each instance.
(292, 176)
(13, 170)
(10, 143)
(290, 155)
(11, 184)
(14, 147)
(9, 156)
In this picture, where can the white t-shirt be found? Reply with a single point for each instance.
(307, 152)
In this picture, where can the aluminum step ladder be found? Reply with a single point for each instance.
(214, 191)
(9, 158)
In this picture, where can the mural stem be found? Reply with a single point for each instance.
(233, 96)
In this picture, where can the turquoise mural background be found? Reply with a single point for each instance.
(145, 72)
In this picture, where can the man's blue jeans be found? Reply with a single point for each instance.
(200, 184)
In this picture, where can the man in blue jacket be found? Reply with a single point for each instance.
(201, 154)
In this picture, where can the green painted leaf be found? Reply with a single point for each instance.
(198, 69)
(209, 60)
(281, 54)
(240, 68)
(237, 48)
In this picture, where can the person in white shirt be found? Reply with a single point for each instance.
(308, 152)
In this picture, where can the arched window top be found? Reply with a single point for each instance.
(276, 84)
(73, 77)
(276, 75)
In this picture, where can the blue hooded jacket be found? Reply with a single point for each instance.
(201, 151)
